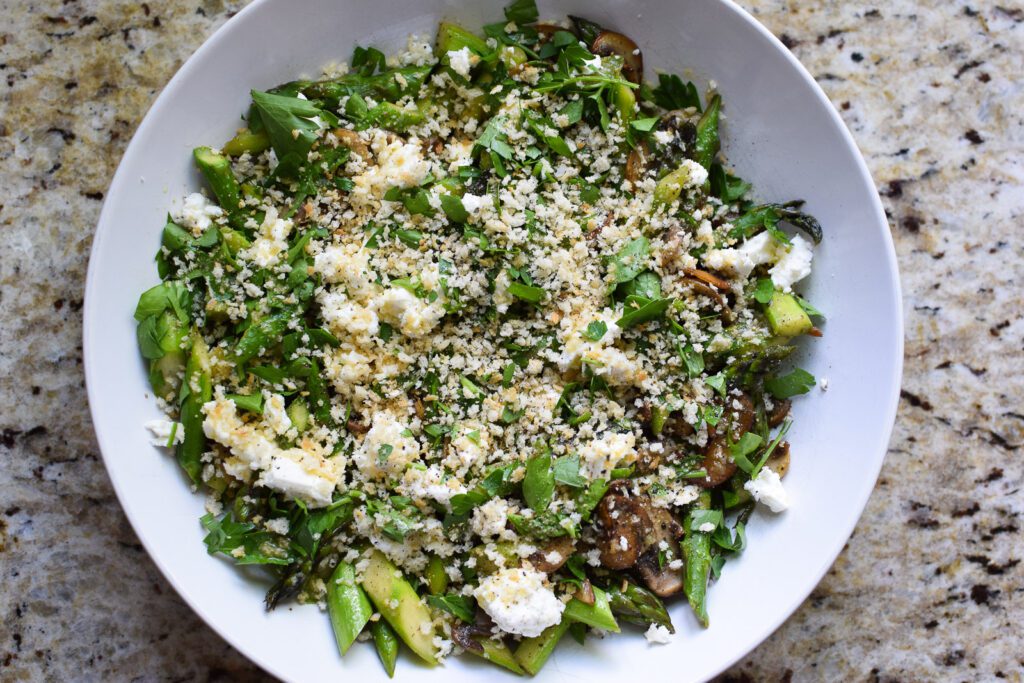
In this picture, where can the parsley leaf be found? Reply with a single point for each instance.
(522, 12)
(631, 260)
(596, 330)
(567, 471)
(798, 381)
(462, 606)
(672, 93)
(649, 309)
(763, 290)
(281, 117)
(539, 482)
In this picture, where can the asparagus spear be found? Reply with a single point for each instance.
(697, 553)
(386, 642)
(347, 606)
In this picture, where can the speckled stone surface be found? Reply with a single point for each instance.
(931, 585)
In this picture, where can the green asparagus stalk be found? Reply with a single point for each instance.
(697, 554)
(347, 605)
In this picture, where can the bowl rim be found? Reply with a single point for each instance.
(92, 316)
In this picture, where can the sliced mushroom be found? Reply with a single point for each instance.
(585, 594)
(636, 162)
(544, 559)
(704, 289)
(717, 463)
(707, 278)
(609, 43)
(624, 524)
(780, 410)
(351, 140)
(739, 414)
(779, 460)
(662, 579)
(356, 426)
(677, 427)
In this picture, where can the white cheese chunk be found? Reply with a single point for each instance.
(794, 264)
(387, 449)
(275, 414)
(490, 518)
(162, 430)
(766, 488)
(657, 635)
(408, 313)
(197, 213)
(518, 601)
(602, 455)
(461, 61)
(272, 240)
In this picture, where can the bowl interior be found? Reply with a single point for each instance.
(780, 133)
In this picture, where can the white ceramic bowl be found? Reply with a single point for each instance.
(781, 133)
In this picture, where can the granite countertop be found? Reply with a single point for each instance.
(931, 584)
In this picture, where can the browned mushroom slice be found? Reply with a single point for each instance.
(718, 464)
(739, 414)
(463, 635)
(636, 162)
(585, 594)
(779, 460)
(780, 410)
(624, 523)
(677, 427)
(662, 543)
(356, 426)
(350, 139)
(553, 554)
(704, 289)
(708, 278)
(609, 43)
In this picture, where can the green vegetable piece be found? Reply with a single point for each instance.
(598, 615)
(246, 141)
(798, 381)
(636, 605)
(392, 117)
(453, 208)
(631, 260)
(539, 482)
(786, 316)
(452, 37)
(532, 653)
(347, 606)
(659, 416)
(533, 295)
(298, 413)
(625, 103)
(485, 565)
(708, 142)
(386, 642)
(437, 577)
(288, 122)
(197, 374)
(497, 652)
(261, 336)
(671, 186)
(646, 312)
(252, 403)
(696, 548)
(411, 619)
(216, 169)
